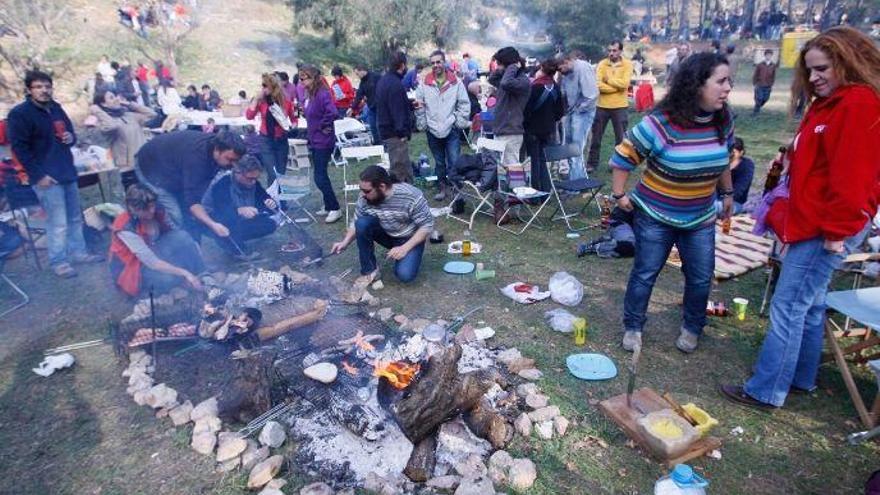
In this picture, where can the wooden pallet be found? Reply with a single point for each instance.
(649, 401)
(736, 253)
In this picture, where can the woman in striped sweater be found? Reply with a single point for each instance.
(686, 144)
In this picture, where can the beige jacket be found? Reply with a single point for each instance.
(126, 133)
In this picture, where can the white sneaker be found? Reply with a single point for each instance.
(631, 340)
(322, 212)
(333, 216)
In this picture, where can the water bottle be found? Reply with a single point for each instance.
(681, 481)
(424, 165)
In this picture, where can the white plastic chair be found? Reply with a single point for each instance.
(358, 153)
(349, 133)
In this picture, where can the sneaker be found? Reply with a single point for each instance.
(687, 341)
(631, 340)
(322, 212)
(440, 196)
(88, 258)
(64, 270)
(366, 280)
(333, 216)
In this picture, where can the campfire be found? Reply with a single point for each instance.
(367, 404)
(399, 374)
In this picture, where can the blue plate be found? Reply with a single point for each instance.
(591, 366)
(458, 267)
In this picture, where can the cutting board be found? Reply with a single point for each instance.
(649, 401)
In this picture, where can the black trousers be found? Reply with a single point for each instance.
(618, 118)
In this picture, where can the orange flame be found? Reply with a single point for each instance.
(363, 344)
(351, 370)
(399, 374)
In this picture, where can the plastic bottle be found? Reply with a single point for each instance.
(681, 481)
(466, 243)
(424, 165)
(580, 331)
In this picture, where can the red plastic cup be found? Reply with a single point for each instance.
(60, 128)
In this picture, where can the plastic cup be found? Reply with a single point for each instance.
(739, 307)
(60, 128)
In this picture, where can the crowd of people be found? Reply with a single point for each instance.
(186, 184)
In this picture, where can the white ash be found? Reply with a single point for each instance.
(329, 448)
(475, 358)
(455, 442)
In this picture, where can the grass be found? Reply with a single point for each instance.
(84, 435)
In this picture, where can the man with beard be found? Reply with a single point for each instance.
(238, 201)
(395, 216)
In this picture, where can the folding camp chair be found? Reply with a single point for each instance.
(349, 133)
(479, 198)
(564, 191)
(20, 198)
(863, 306)
(517, 197)
(358, 153)
(24, 298)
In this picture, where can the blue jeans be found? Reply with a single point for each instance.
(577, 127)
(654, 240)
(445, 150)
(368, 231)
(273, 156)
(320, 160)
(370, 117)
(762, 95)
(792, 348)
(64, 225)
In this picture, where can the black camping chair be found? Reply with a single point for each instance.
(7, 248)
(566, 190)
(20, 197)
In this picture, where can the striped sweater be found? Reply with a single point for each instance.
(683, 167)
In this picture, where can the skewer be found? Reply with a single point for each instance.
(75, 346)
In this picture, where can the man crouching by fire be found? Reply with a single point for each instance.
(147, 251)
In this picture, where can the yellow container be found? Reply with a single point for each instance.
(791, 47)
(580, 331)
(704, 421)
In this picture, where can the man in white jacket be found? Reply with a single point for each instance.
(578, 83)
(442, 110)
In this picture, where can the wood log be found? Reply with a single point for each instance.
(439, 394)
(271, 331)
(249, 393)
(487, 423)
(420, 467)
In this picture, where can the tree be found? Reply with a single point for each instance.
(32, 36)
(377, 28)
(165, 31)
(588, 25)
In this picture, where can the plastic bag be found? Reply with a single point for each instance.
(560, 320)
(565, 289)
(524, 293)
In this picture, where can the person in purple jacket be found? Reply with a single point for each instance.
(320, 112)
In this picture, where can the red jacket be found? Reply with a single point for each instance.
(262, 109)
(835, 168)
(342, 92)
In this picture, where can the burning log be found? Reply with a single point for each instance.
(360, 419)
(271, 331)
(487, 423)
(420, 467)
(438, 394)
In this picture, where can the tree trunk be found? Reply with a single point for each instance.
(748, 18)
(683, 24)
(829, 14)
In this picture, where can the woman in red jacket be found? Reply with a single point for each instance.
(273, 126)
(834, 182)
(341, 90)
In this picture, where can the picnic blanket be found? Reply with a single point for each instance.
(736, 253)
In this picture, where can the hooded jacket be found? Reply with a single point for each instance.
(835, 174)
(512, 93)
(442, 108)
